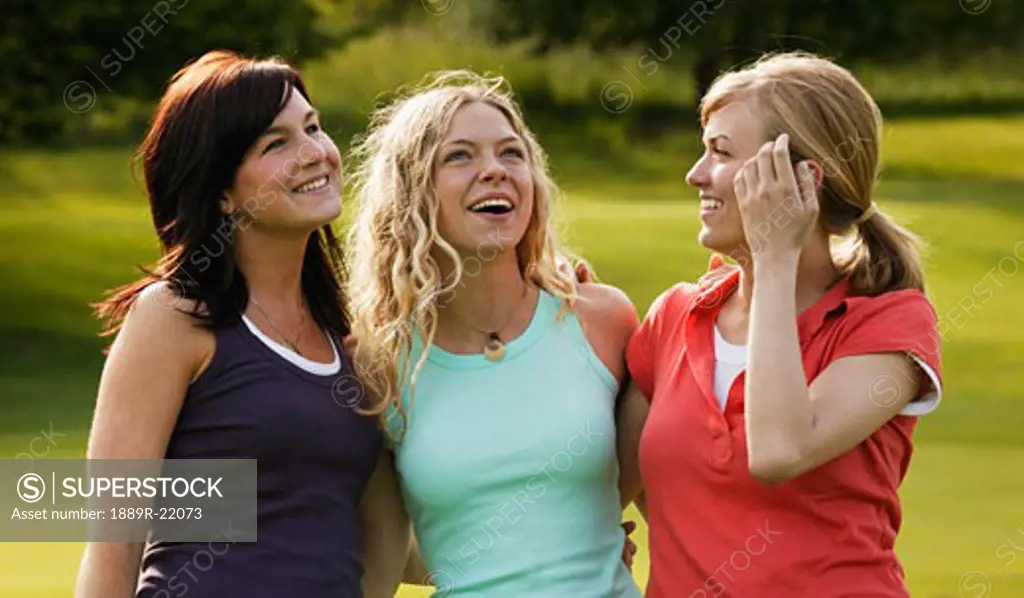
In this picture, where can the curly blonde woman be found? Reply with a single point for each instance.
(498, 374)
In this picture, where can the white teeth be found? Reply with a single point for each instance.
(487, 203)
(313, 185)
(710, 204)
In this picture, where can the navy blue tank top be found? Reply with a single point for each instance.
(315, 455)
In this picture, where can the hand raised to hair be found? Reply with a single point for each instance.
(779, 207)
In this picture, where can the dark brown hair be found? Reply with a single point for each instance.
(212, 112)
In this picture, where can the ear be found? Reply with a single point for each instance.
(816, 170)
(227, 205)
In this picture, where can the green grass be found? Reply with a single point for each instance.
(74, 223)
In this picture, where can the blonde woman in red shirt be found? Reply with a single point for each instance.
(777, 399)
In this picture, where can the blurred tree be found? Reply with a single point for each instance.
(716, 34)
(58, 59)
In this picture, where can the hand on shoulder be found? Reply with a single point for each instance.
(609, 319)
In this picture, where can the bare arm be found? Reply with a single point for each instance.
(151, 363)
(609, 320)
(415, 571)
(793, 428)
(384, 531)
(632, 414)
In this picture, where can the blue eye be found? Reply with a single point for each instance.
(456, 154)
(313, 128)
(515, 151)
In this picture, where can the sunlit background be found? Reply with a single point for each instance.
(610, 87)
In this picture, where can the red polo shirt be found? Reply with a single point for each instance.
(714, 529)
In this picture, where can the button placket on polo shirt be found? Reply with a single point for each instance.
(699, 336)
(723, 450)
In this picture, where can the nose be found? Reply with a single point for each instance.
(699, 175)
(493, 169)
(312, 151)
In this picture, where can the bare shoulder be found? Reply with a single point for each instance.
(606, 306)
(160, 305)
(161, 318)
(609, 319)
(157, 353)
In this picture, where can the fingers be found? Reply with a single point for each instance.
(629, 548)
(583, 272)
(808, 186)
(766, 175)
(782, 162)
(739, 183)
(715, 262)
(629, 556)
(750, 178)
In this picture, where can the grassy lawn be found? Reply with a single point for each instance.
(73, 223)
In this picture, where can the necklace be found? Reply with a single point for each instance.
(294, 345)
(494, 349)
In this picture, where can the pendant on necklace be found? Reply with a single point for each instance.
(494, 350)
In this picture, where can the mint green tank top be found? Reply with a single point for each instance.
(509, 470)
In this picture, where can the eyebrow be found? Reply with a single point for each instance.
(715, 138)
(461, 141)
(278, 130)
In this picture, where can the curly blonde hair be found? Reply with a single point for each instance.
(394, 280)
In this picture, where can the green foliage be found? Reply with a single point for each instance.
(352, 51)
(850, 30)
(63, 60)
(715, 33)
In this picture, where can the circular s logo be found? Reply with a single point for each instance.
(31, 487)
(616, 97)
(975, 7)
(79, 97)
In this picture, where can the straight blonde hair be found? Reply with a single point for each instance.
(832, 119)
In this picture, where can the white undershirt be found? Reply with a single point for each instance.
(731, 360)
(313, 367)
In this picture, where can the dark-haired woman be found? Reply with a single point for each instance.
(229, 348)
